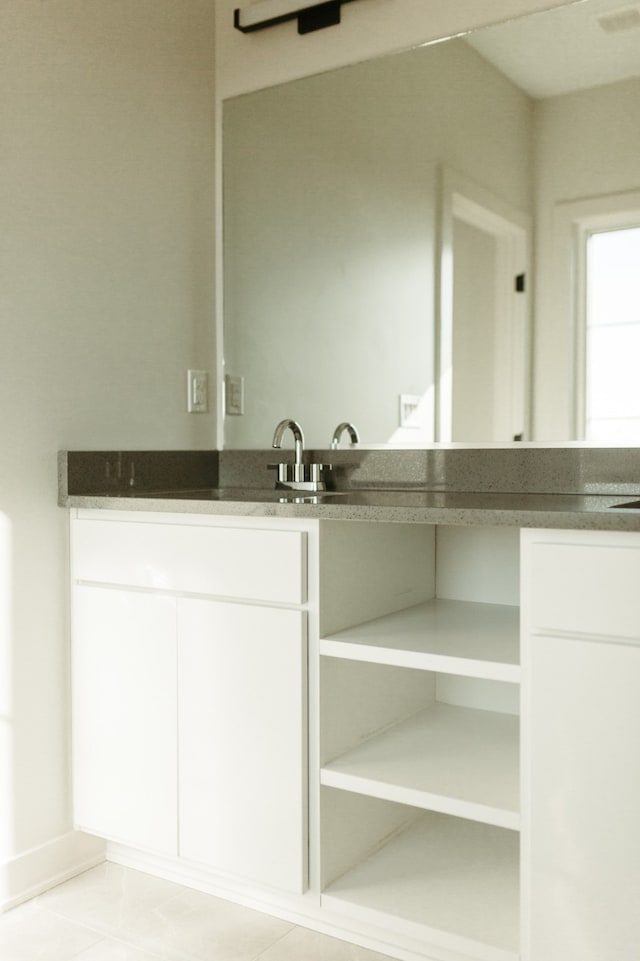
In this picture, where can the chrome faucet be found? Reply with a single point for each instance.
(298, 437)
(350, 429)
(297, 476)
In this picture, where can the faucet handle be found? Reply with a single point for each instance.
(300, 476)
(350, 428)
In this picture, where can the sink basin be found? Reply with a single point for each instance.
(629, 505)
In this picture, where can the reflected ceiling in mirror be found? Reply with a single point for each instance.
(382, 220)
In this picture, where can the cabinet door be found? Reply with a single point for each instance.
(581, 726)
(124, 717)
(242, 737)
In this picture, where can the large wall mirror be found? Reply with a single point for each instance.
(442, 244)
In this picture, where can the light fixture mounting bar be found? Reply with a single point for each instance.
(312, 15)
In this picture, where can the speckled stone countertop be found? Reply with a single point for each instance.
(596, 512)
(574, 487)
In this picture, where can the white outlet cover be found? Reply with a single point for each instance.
(233, 395)
(409, 410)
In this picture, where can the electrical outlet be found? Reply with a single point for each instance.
(197, 391)
(233, 394)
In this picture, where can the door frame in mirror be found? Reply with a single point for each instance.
(462, 199)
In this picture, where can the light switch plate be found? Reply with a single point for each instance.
(197, 391)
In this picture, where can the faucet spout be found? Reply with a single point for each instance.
(350, 429)
(298, 437)
(297, 476)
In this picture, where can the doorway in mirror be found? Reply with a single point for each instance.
(483, 316)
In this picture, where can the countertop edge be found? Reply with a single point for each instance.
(602, 519)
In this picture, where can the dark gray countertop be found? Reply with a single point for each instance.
(574, 511)
(519, 486)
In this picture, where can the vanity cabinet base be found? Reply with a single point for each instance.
(414, 749)
(189, 711)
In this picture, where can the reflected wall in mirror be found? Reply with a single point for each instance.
(381, 220)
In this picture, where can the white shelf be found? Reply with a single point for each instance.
(454, 637)
(443, 881)
(455, 760)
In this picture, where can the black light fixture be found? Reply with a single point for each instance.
(312, 15)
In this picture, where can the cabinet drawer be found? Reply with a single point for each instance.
(261, 565)
(587, 588)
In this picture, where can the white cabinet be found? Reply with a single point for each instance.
(243, 746)
(124, 717)
(192, 557)
(581, 664)
(190, 692)
(461, 721)
(440, 824)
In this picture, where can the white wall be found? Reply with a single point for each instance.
(107, 298)
(588, 145)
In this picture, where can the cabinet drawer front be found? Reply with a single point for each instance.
(588, 588)
(262, 565)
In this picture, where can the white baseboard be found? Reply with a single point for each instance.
(41, 868)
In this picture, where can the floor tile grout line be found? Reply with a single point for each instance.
(89, 947)
(136, 947)
(106, 932)
(41, 910)
(277, 941)
(126, 936)
(88, 926)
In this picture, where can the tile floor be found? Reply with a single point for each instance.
(112, 913)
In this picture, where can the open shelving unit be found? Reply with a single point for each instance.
(451, 759)
(459, 637)
(444, 881)
(419, 741)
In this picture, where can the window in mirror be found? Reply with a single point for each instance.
(613, 335)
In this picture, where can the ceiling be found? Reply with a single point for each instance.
(586, 44)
